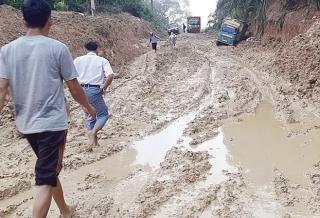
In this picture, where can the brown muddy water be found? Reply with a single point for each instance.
(258, 144)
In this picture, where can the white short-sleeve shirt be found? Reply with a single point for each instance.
(92, 69)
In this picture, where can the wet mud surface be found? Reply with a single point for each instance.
(194, 132)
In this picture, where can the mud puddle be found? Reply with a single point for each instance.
(259, 145)
(152, 149)
(262, 147)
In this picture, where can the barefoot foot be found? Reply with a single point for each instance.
(96, 141)
(69, 213)
(91, 138)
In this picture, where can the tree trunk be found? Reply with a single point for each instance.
(93, 7)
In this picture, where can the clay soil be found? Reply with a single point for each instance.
(213, 86)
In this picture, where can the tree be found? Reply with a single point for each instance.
(158, 12)
(174, 10)
(252, 11)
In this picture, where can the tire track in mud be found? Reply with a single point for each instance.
(226, 199)
(165, 87)
(141, 209)
(121, 132)
(152, 92)
(203, 197)
(123, 83)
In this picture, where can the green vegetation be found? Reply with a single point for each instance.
(13, 3)
(60, 6)
(251, 11)
(254, 11)
(158, 12)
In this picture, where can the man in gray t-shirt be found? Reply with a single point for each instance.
(35, 66)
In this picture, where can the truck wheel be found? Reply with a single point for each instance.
(218, 43)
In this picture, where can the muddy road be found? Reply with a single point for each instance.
(195, 131)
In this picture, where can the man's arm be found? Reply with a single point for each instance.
(4, 86)
(80, 97)
(108, 82)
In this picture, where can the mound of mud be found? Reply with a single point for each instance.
(286, 19)
(298, 64)
(120, 35)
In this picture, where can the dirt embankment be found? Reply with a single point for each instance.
(287, 18)
(298, 64)
(121, 36)
(289, 71)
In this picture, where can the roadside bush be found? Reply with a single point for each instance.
(77, 5)
(18, 3)
(60, 6)
(137, 8)
(251, 11)
(13, 3)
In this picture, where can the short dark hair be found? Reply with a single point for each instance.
(91, 46)
(36, 13)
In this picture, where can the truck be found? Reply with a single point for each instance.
(231, 32)
(193, 24)
(173, 28)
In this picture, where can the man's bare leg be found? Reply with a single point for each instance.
(65, 210)
(96, 140)
(93, 134)
(95, 131)
(42, 201)
(91, 137)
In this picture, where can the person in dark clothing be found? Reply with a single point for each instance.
(35, 66)
(154, 41)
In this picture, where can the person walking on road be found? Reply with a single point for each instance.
(95, 76)
(154, 41)
(173, 39)
(184, 27)
(35, 66)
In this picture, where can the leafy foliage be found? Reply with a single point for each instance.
(13, 3)
(252, 11)
(158, 12)
(18, 3)
(60, 6)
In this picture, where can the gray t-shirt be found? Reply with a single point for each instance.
(36, 67)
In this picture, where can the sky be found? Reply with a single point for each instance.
(202, 8)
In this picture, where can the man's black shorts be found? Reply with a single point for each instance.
(154, 46)
(49, 148)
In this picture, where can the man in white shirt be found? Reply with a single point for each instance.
(95, 76)
(173, 39)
